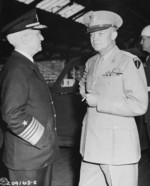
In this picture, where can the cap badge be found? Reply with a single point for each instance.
(93, 17)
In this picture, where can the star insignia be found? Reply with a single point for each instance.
(25, 123)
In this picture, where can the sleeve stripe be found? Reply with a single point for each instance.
(33, 132)
(28, 129)
(35, 138)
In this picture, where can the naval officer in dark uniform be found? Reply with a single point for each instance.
(31, 145)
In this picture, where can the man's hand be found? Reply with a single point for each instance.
(82, 90)
(92, 99)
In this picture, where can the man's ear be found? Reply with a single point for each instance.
(114, 35)
(24, 38)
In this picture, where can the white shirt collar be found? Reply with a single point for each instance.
(26, 55)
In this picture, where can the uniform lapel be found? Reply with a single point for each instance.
(29, 63)
(37, 71)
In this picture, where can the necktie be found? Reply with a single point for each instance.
(99, 66)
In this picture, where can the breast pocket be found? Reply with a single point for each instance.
(115, 84)
(110, 84)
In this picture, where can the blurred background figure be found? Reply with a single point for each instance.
(145, 43)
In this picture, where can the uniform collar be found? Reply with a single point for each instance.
(26, 55)
(106, 56)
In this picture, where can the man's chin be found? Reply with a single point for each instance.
(40, 49)
(98, 48)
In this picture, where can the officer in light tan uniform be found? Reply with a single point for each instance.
(115, 89)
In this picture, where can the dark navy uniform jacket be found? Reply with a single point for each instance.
(28, 112)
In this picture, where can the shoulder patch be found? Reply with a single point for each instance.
(137, 63)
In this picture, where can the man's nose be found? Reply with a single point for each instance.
(94, 36)
(42, 38)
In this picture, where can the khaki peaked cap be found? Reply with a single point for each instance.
(101, 20)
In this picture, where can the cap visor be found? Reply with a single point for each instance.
(98, 28)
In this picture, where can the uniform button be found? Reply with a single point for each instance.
(55, 128)
(52, 102)
(55, 115)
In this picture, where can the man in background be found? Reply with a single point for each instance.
(30, 146)
(115, 89)
(145, 43)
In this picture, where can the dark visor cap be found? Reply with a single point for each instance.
(28, 20)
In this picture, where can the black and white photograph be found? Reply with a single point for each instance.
(75, 92)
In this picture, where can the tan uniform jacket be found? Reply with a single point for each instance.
(109, 132)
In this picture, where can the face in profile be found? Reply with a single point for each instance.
(145, 42)
(35, 39)
(101, 40)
